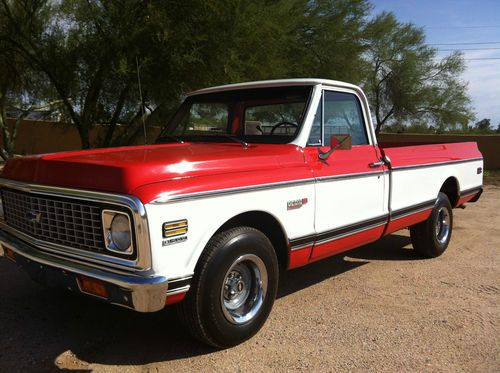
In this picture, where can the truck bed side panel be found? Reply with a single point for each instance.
(419, 172)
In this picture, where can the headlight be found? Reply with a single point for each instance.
(117, 232)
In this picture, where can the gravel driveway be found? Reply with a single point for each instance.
(376, 308)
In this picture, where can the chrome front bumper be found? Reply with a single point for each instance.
(139, 292)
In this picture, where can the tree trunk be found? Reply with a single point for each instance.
(380, 123)
(83, 131)
(5, 151)
(116, 116)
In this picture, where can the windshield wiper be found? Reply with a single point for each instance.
(164, 136)
(234, 138)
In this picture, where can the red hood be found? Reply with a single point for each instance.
(122, 170)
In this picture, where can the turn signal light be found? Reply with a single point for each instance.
(175, 228)
(92, 286)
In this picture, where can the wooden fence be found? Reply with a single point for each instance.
(36, 137)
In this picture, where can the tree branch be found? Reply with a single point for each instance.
(116, 114)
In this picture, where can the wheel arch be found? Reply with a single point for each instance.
(268, 224)
(451, 188)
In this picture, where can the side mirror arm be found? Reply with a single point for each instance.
(325, 155)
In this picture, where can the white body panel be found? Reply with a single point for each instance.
(349, 201)
(413, 186)
(205, 216)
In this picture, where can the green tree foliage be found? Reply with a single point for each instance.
(329, 40)
(483, 127)
(406, 81)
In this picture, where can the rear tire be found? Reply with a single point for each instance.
(431, 237)
(233, 289)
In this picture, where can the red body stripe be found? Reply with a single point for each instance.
(346, 243)
(406, 221)
(462, 200)
(299, 258)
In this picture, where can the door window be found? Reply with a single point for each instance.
(341, 115)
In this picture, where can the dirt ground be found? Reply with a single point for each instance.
(377, 308)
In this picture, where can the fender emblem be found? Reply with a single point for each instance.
(34, 217)
(296, 204)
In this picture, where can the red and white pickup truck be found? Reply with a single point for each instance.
(245, 180)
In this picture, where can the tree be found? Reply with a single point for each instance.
(329, 40)
(10, 78)
(86, 50)
(483, 126)
(405, 80)
(22, 88)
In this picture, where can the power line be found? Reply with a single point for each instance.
(482, 58)
(482, 43)
(472, 59)
(458, 27)
(468, 49)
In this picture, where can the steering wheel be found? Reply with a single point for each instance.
(284, 123)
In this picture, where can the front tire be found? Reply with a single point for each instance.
(233, 289)
(431, 237)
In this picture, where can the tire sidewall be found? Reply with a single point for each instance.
(442, 201)
(243, 241)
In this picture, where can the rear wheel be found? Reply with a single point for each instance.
(233, 288)
(431, 237)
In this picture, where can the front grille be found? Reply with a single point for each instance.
(64, 221)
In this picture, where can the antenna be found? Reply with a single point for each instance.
(142, 102)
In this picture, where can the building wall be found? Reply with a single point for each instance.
(39, 137)
(35, 137)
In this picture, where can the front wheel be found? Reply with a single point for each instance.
(431, 237)
(233, 288)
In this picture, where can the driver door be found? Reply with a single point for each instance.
(351, 207)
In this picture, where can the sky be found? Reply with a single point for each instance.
(458, 22)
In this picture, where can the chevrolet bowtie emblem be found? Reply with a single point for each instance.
(34, 217)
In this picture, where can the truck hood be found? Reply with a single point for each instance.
(122, 170)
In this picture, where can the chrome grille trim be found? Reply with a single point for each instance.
(65, 222)
(131, 203)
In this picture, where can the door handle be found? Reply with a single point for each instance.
(376, 164)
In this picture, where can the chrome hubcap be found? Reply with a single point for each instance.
(244, 289)
(442, 225)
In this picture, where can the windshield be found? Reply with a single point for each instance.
(262, 115)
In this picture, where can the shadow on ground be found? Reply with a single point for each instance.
(39, 324)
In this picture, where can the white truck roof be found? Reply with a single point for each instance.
(274, 83)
